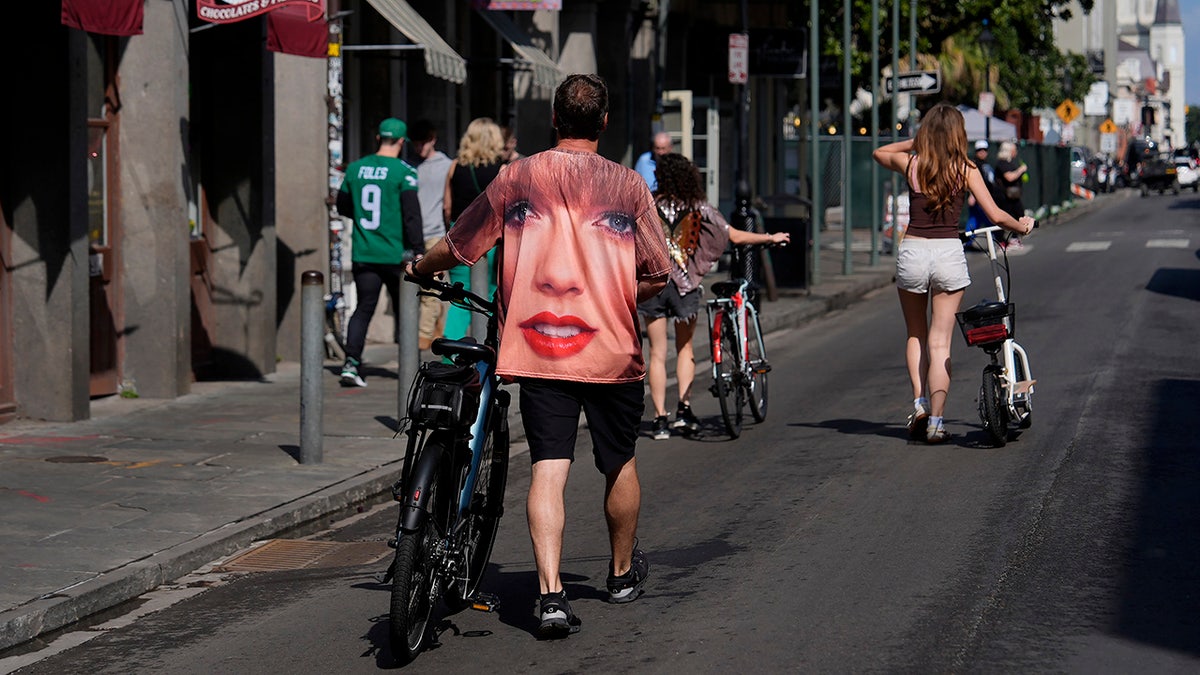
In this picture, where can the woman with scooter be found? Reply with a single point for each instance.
(931, 268)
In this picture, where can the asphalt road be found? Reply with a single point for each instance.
(822, 540)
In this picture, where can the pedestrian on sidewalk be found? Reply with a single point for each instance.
(432, 170)
(1011, 176)
(379, 196)
(976, 218)
(931, 268)
(580, 245)
(480, 158)
(696, 235)
(660, 145)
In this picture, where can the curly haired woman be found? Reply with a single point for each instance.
(696, 236)
(931, 268)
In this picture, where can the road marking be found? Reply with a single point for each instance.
(1167, 243)
(1079, 246)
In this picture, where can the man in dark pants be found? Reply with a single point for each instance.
(579, 246)
(379, 195)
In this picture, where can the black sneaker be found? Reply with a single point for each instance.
(558, 621)
(662, 430)
(628, 586)
(685, 420)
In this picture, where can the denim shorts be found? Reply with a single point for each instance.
(923, 265)
(669, 303)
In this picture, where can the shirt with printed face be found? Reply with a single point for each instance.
(577, 232)
(374, 183)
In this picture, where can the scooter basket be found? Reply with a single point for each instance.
(988, 322)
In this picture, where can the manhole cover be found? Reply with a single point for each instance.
(76, 459)
(290, 554)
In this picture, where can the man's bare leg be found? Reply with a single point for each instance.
(622, 502)
(546, 514)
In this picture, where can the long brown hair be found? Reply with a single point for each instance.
(941, 145)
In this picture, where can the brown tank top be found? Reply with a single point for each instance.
(924, 222)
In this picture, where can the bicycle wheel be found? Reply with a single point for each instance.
(756, 385)
(483, 519)
(728, 388)
(336, 325)
(413, 575)
(992, 409)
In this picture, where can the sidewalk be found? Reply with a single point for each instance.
(101, 511)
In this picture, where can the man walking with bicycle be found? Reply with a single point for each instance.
(579, 246)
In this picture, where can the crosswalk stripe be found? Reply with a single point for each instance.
(1080, 246)
(1168, 243)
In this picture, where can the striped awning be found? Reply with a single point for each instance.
(440, 58)
(546, 72)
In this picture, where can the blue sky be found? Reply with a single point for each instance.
(1189, 12)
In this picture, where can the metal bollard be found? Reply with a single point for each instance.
(312, 359)
(480, 280)
(409, 356)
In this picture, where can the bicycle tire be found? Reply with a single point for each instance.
(757, 394)
(486, 509)
(993, 409)
(412, 583)
(728, 388)
(336, 326)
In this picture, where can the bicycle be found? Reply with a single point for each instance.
(739, 355)
(1006, 395)
(451, 489)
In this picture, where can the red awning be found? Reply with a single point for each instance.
(290, 32)
(106, 17)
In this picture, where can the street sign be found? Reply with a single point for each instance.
(916, 82)
(1107, 127)
(739, 58)
(1108, 143)
(987, 103)
(1067, 111)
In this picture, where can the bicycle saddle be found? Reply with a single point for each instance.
(467, 347)
(727, 289)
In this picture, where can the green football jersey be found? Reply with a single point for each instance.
(374, 183)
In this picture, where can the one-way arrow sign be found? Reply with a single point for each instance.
(918, 82)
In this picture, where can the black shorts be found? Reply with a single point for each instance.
(550, 414)
(669, 303)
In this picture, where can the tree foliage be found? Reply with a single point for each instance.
(1027, 69)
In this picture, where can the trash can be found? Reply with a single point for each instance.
(791, 262)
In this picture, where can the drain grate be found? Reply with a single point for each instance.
(291, 554)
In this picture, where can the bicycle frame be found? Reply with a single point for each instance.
(419, 472)
(739, 369)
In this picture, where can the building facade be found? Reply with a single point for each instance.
(166, 179)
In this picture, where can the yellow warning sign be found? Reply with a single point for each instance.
(1107, 127)
(1067, 111)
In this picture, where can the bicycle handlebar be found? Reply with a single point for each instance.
(454, 293)
(997, 228)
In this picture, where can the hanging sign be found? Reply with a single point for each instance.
(739, 58)
(229, 11)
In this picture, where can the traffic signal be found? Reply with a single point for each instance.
(1147, 116)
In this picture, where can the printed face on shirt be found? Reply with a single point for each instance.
(569, 256)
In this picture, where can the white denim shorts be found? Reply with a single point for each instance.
(931, 264)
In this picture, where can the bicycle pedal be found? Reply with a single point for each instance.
(484, 602)
(763, 369)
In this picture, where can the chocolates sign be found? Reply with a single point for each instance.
(228, 11)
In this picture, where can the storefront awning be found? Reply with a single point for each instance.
(546, 72)
(440, 58)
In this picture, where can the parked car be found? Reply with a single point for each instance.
(1079, 166)
(1187, 173)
